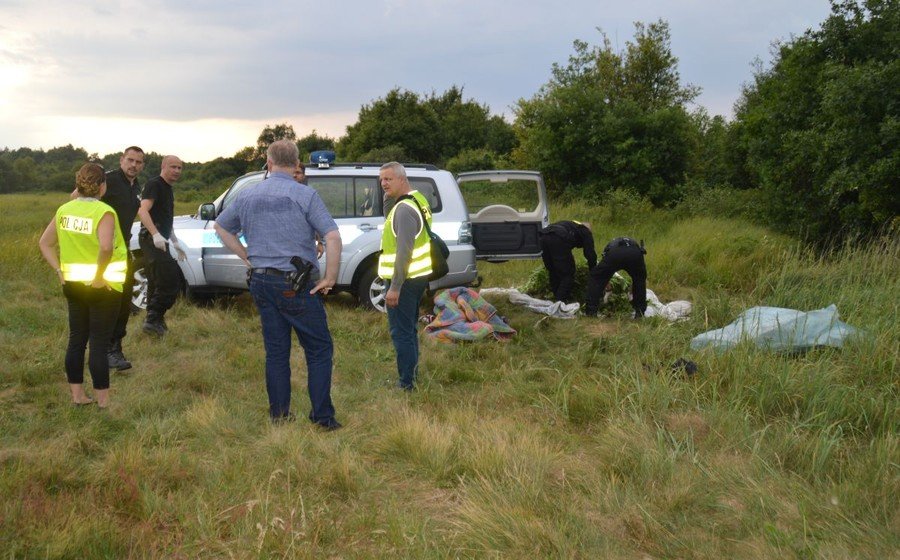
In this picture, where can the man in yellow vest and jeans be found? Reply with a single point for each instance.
(90, 265)
(405, 264)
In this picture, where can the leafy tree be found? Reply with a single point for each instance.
(472, 159)
(612, 120)
(270, 134)
(467, 125)
(27, 173)
(427, 130)
(387, 153)
(399, 119)
(312, 142)
(65, 155)
(721, 156)
(822, 125)
(221, 170)
(9, 181)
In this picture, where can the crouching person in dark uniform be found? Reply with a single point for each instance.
(622, 253)
(557, 242)
(280, 219)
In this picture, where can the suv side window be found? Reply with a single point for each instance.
(429, 189)
(348, 197)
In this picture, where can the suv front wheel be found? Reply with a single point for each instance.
(139, 291)
(371, 290)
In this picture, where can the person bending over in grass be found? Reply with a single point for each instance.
(84, 245)
(622, 253)
(557, 242)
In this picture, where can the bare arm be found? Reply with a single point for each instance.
(231, 241)
(48, 244)
(333, 248)
(144, 215)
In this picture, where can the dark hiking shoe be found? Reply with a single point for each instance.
(329, 426)
(154, 328)
(117, 361)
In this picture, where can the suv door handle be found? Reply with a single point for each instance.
(367, 227)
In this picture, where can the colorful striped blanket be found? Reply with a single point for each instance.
(462, 314)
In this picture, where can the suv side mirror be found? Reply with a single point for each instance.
(207, 211)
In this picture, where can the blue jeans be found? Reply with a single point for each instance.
(280, 311)
(402, 324)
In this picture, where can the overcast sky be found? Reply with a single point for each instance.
(200, 78)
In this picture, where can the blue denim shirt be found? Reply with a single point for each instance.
(279, 218)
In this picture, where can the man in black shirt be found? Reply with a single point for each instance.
(622, 253)
(157, 212)
(557, 242)
(123, 193)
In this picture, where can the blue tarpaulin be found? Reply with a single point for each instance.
(780, 330)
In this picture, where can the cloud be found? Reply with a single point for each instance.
(203, 61)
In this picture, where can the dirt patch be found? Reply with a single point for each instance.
(682, 424)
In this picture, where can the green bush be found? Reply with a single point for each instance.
(538, 285)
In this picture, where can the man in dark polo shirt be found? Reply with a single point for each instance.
(123, 193)
(157, 213)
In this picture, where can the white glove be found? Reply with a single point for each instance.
(179, 250)
(159, 241)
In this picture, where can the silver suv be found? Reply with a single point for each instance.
(508, 209)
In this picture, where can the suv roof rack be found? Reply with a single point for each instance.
(361, 164)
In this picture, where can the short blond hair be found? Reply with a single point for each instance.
(89, 178)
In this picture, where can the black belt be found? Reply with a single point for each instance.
(271, 271)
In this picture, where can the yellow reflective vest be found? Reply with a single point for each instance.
(420, 260)
(76, 228)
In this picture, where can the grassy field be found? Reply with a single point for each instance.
(573, 440)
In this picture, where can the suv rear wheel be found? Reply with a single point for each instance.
(371, 290)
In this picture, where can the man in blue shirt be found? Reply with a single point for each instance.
(280, 219)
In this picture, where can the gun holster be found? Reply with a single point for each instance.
(300, 276)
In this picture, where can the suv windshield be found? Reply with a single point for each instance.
(231, 193)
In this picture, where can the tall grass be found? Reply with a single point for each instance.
(573, 440)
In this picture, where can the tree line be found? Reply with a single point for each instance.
(812, 150)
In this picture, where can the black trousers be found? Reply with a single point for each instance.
(121, 326)
(631, 260)
(92, 317)
(560, 264)
(163, 277)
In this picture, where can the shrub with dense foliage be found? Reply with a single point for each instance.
(822, 125)
(614, 120)
(432, 129)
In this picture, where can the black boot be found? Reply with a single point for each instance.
(153, 324)
(116, 358)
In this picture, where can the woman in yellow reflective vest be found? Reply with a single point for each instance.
(84, 245)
